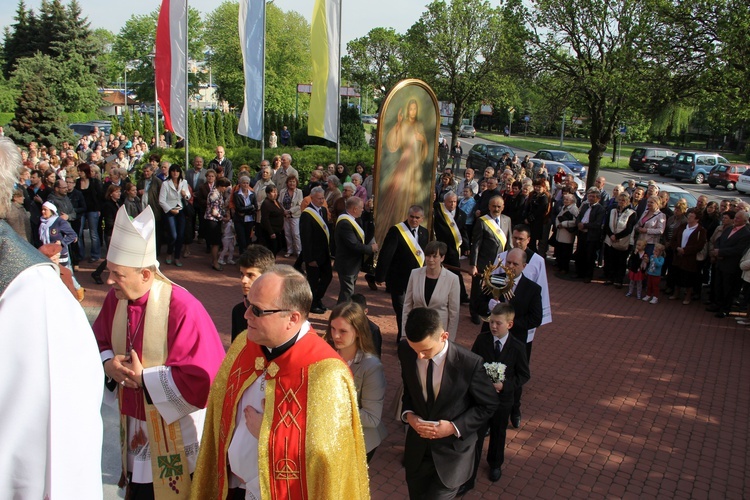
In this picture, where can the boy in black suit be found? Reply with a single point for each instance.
(497, 346)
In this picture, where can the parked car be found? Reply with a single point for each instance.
(695, 166)
(369, 119)
(726, 175)
(467, 131)
(482, 156)
(665, 165)
(552, 167)
(648, 158)
(563, 157)
(81, 129)
(675, 192)
(743, 183)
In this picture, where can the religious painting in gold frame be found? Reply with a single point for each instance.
(405, 155)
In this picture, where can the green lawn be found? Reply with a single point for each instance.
(579, 148)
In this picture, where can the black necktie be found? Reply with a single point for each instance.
(498, 349)
(428, 383)
(413, 232)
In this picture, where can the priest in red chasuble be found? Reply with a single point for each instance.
(283, 420)
(160, 351)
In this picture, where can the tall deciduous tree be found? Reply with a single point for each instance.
(287, 56)
(376, 60)
(134, 47)
(466, 51)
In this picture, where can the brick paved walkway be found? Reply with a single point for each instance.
(626, 399)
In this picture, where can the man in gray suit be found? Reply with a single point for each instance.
(491, 235)
(443, 418)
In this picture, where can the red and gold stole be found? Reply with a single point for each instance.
(281, 444)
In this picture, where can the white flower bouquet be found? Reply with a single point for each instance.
(496, 372)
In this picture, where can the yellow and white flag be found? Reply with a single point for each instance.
(325, 47)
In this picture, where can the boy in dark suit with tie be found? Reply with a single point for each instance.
(498, 346)
(447, 398)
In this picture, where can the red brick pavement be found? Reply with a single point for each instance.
(626, 399)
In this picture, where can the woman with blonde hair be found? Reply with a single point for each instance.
(349, 333)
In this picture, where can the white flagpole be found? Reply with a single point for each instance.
(187, 87)
(263, 92)
(338, 88)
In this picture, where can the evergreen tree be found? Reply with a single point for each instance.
(352, 130)
(127, 123)
(137, 124)
(38, 115)
(219, 125)
(229, 132)
(148, 129)
(210, 131)
(115, 125)
(192, 130)
(20, 41)
(200, 127)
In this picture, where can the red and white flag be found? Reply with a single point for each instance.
(170, 64)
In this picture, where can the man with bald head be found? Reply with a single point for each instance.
(490, 236)
(283, 407)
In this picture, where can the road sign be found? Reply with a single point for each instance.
(526, 118)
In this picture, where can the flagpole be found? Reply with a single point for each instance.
(187, 87)
(338, 89)
(263, 92)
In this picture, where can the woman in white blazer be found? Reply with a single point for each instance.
(349, 333)
(435, 287)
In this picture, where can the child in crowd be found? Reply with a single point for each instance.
(653, 275)
(497, 346)
(227, 243)
(467, 205)
(637, 263)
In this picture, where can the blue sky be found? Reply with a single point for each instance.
(359, 16)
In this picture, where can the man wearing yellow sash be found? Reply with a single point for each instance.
(161, 352)
(402, 252)
(315, 237)
(351, 247)
(450, 228)
(490, 236)
(283, 420)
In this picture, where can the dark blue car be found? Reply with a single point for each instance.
(563, 157)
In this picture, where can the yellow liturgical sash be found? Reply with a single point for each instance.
(452, 225)
(319, 220)
(411, 242)
(490, 223)
(169, 465)
(354, 224)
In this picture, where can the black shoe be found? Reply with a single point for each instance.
(370, 279)
(464, 489)
(515, 420)
(475, 319)
(495, 474)
(720, 315)
(97, 279)
(317, 310)
(321, 306)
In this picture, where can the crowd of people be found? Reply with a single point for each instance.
(282, 383)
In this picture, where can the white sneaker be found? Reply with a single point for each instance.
(654, 300)
(221, 262)
(646, 298)
(231, 262)
(629, 294)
